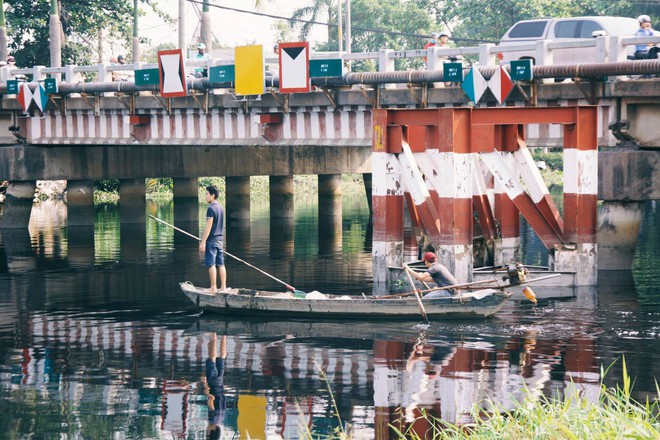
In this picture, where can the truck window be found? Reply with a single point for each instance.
(531, 29)
(567, 29)
(588, 27)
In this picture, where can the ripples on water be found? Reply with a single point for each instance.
(96, 340)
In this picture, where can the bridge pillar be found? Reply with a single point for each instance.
(507, 246)
(80, 202)
(185, 194)
(18, 251)
(330, 213)
(281, 196)
(132, 201)
(18, 204)
(618, 229)
(387, 199)
(238, 200)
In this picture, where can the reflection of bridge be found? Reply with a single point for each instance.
(328, 132)
(385, 380)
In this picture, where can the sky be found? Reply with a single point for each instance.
(231, 28)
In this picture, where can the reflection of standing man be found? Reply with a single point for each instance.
(214, 386)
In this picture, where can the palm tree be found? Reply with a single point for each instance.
(311, 14)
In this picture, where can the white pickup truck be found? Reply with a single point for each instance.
(563, 29)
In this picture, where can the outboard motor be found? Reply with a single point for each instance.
(516, 274)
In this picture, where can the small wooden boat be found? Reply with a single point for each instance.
(475, 304)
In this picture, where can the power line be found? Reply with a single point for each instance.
(379, 31)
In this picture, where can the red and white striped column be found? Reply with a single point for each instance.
(580, 198)
(387, 200)
(507, 246)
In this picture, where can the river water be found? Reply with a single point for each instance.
(96, 340)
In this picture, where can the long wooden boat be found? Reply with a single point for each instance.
(476, 304)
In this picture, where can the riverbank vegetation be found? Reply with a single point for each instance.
(613, 414)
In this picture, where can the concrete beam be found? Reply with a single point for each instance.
(23, 163)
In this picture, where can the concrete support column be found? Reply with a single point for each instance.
(507, 245)
(132, 201)
(185, 195)
(133, 242)
(387, 247)
(580, 198)
(330, 213)
(618, 230)
(238, 200)
(18, 204)
(80, 202)
(281, 196)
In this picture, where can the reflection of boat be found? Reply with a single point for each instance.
(477, 304)
(268, 329)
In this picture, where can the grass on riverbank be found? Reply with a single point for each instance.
(614, 415)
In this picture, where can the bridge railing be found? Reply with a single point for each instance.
(608, 49)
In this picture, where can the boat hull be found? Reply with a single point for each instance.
(272, 304)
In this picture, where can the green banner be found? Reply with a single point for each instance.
(12, 87)
(522, 70)
(452, 72)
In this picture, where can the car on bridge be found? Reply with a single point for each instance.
(564, 29)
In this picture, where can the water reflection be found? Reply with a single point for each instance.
(96, 340)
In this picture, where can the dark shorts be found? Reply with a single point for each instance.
(214, 255)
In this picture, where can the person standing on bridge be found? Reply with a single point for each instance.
(211, 242)
(645, 51)
(435, 272)
(201, 56)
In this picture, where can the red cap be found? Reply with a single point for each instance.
(430, 257)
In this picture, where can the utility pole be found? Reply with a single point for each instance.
(206, 34)
(136, 39)
(55, 30)
(4, 52)
(348, 26)
(340, 25)
(182, 27)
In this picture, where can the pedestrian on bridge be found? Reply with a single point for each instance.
(201, 56)
(645, 51)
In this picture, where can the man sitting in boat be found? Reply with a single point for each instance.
(435, 272)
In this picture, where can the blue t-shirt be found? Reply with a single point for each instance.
(643, 33)
(215, 212)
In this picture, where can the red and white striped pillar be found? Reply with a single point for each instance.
(448, 171)
(507, 246)
(387, 200)
(580, 198)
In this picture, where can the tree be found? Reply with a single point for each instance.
(27, 24)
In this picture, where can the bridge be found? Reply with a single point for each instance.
(105, 130)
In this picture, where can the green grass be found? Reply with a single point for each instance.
(616, 415)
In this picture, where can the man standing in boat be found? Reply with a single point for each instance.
(435, 272)
(211, 242)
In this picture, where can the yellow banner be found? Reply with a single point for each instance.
(249, 70)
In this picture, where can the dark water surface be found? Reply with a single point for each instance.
(96, 340)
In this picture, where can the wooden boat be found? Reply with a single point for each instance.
(476, 304)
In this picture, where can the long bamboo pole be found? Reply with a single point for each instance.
(293, 289)
(418, 297)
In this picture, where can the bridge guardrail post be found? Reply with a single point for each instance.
(618, 52)
(386, 64)
(544, 56)
(38, 73)
(602, 48)
(487, 56)
(104, 74)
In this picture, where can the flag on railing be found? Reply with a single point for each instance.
(24, 96)
(40, 97)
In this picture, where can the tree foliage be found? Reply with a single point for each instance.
(82, 21)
